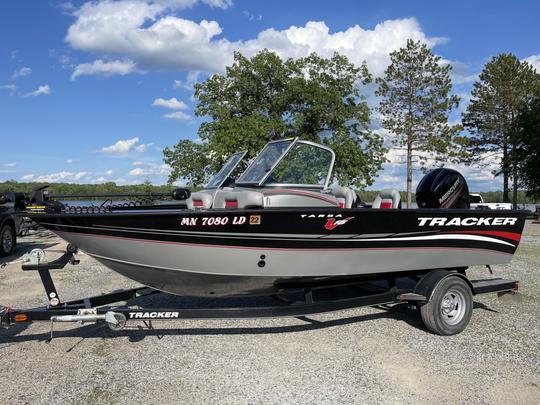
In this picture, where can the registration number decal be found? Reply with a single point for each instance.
(213, 221)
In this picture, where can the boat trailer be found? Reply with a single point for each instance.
(316, 299)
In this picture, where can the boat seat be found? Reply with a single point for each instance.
(243, 199)
(387, 198)
(346, 197)
(199, 200)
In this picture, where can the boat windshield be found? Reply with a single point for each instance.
(291, 162)
(219, 178)
(304, 163)
(264, 161)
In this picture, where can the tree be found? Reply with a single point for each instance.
(529, 147)
(265, 98)
(505, 87)
(415, 104)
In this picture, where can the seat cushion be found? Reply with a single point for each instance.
(387, 198)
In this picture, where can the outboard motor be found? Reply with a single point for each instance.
(443, 188)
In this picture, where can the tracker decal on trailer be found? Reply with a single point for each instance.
(154, 315)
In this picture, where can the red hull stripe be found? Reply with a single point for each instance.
(506, 235)
(269, 248)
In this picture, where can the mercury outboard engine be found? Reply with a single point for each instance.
(443, 188)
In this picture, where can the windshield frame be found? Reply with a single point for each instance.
(243, 154)
(258, 183)
(295, 141)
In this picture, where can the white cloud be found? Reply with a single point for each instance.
(10, 87)
(121, 146)
(67, 7)
(125, 146)
(224, 4)
(100, 179)
(109, 172)
(149, 169)
(171, 103)
(59, 177)
(24, 71)
(252, 17)
(534, 60)
(104, 68)
(178, 115)
(152, 36)
(69, 161)
(11, 164)
(142, 147)
(357, 43)
(80, 175)
(137, 172)
(45, 89)
(192, 78)
(461, 72)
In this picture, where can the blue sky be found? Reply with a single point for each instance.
(92, 91)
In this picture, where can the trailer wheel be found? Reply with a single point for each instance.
(449, 310)
(7, 240)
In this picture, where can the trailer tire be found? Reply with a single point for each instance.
(7, 240)
(449, 310)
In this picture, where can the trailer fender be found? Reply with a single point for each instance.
(429, 282)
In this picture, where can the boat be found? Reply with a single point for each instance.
(283, 223)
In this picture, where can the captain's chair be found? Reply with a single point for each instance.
(387, 198)
(346, 197)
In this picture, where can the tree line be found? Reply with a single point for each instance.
(113, 188)
(264, 98)
(70, 188)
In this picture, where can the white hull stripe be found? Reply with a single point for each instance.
(447, 237)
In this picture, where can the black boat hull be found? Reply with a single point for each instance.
(250, 252)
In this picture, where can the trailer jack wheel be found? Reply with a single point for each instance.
(449, 310)
(115, 320)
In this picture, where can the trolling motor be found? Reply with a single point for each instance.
(40, 200)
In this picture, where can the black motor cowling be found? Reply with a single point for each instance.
(443, 188)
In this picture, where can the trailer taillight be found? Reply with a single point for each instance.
(516, 287)
(20, 318)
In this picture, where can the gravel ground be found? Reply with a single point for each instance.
(365, 355)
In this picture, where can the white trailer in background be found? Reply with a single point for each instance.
(477, 202)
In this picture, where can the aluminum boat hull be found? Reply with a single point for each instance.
(250, 252)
